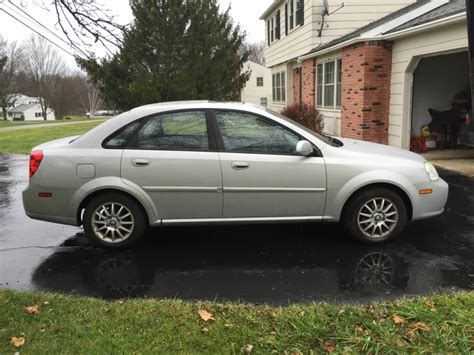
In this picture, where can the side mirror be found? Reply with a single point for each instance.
(304, 148)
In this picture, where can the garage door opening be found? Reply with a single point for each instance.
(441, 104)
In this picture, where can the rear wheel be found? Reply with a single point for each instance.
(375, 215)
(114, 220)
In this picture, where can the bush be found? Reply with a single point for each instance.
(305, 114)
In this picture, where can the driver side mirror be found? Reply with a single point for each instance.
(304, 148)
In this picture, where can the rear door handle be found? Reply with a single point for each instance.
(140, 162)
(240, 165)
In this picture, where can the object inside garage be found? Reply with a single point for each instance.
(441, 103)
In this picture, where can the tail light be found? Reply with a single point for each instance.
(35, 160)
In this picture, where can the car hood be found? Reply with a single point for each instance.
(57, 143)
(375, 149)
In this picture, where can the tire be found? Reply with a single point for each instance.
(375, 215)
(114, 220)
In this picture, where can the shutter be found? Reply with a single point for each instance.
(286, 19)
(268, 32)
(301, 12)
(277, 25)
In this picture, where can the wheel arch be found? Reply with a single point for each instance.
(84, 195)
(402, 193)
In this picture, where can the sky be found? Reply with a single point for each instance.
(244, 12)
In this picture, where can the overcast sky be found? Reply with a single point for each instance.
(245, 12)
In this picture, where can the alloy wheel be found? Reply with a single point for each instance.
(377, 218)
(113, 222)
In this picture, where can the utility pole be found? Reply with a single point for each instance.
(470, 36)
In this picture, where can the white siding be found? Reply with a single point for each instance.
(354, 14)
(406, 53)
(253, 93)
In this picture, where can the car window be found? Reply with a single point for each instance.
(120, 139)
(175, 131)
(247, 133)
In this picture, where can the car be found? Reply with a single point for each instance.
(204, 162)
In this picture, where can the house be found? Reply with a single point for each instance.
(257, 89)
(28, 109)
(373, 68)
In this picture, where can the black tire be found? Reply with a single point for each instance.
(138, 216)
(350, 217)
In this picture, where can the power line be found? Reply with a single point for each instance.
(46, 28)
(38, 33)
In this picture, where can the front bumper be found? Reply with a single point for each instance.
(433, 204)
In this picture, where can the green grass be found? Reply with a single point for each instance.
(72, 118)
(87, 325)
(22, 140)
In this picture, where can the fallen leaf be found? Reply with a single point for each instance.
(204, 330)
(248, 348)
(120, 302)
(341, 311)
(420, 326)
(32, 309)
(205, 315)
(17, 341)
(411, 335)
(329, 347)
(398, 320)
(400, 343)
(45, 302)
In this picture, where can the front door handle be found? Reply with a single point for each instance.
(140, 162)
(240, 165)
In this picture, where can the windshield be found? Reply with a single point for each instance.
(323, 137)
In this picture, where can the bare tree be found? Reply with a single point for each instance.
(93, 101)
(257, 52)
(44, 68)
(11, 64)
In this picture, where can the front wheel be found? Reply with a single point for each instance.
(375, 215)
(114, 220)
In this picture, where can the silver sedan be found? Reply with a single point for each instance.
(207, 162)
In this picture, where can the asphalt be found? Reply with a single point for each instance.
(273, 264)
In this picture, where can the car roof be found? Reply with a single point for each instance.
(176, 105)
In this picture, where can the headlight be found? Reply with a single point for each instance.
(431, 171)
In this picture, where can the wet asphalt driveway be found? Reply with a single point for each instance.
(275, 264)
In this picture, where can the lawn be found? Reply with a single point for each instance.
(439, 324)
(22, 140)
(24, 123)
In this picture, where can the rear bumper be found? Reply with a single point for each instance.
(45, 209)
(433, 204)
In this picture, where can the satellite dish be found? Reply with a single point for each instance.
(325, 8)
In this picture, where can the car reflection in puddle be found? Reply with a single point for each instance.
(258, 264)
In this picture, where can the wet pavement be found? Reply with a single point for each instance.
(274, 264)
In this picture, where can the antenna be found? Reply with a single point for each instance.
(325, 13)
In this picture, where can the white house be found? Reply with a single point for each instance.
(28, 108)
(375, 69)
(258, 88)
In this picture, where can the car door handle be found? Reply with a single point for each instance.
(140, 162)
(240, 165)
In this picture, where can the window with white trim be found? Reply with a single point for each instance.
(328, 84)
(259, 80)
(279, 87)
(294, 16)
(273, 28)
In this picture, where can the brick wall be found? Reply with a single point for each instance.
(308, 77)
(366, 69)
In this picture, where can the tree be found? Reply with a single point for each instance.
(90, 97)
(174, 50)
(44, 67)
(11, 63)
(257, 52)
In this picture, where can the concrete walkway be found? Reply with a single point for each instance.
(459, 160)
(39, 125)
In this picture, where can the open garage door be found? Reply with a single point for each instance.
(441, 103)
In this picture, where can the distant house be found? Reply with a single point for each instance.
(28, 108)
(374, 69)
(258, 88)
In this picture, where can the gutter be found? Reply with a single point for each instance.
(423, 27)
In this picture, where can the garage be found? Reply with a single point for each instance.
(441, 103)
